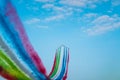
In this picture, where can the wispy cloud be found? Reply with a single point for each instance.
(45, 0)
(90, 15)
(42, 27)
(57, 9)
(63, 8)
(95, 23)
(68, 7)
(102, 24)
(82, 3)
(48, 6)
(33, 21)
(115, 2)
(47, 19)
(54, 8)
(59, 12)
(52, 18)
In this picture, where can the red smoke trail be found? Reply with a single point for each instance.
(53, 66)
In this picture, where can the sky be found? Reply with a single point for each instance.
(90, 28)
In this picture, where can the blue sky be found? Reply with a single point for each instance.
(90, 28)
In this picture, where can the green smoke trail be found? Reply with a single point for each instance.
(7, 64)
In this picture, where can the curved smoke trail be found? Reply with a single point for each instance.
(18, 59)
(14, 58)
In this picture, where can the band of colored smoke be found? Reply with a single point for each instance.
(18, 59)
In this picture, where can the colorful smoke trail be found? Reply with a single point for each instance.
(18, 59)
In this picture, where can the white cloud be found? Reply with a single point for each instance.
(44, 0)
(59, 11)
(52, 18)
(87, 18)
(48, 6)
(60, 14)
(53, 7)
(77, 3)
(90, 15)
(59, 8)
(36, 21)
(42, 27)
(115, 2)
(103, 24)
(74, 6)
(33, 21)
(82, 3)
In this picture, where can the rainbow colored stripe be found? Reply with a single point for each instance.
(60, 68)
(18, 59)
